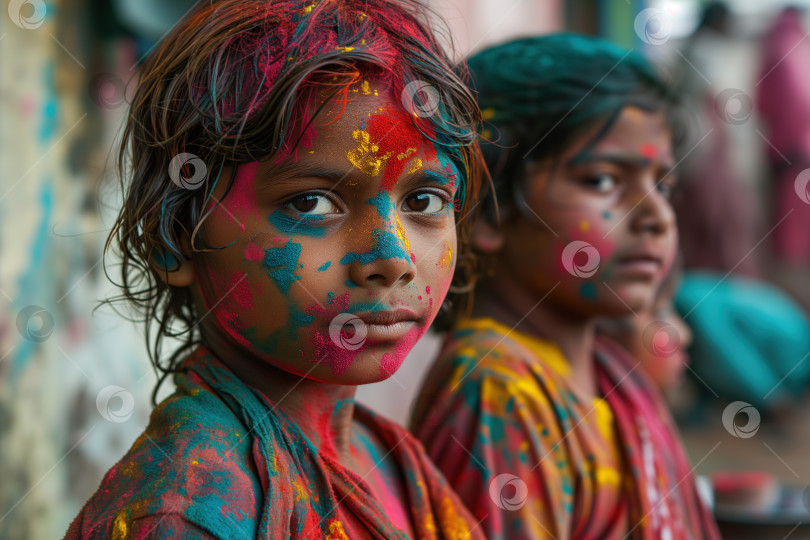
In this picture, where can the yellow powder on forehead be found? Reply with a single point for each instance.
(406, 153)
(364, 156)
(415, 166)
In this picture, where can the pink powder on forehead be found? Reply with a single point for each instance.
(394, 132)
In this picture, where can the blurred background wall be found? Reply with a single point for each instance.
(75, 385)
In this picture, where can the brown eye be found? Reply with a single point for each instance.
(600, 182)
(312, 204)
(425, 203)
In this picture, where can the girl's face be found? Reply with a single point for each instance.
(596, 230)
(338, 255)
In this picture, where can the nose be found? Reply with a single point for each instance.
(386, 259)
(653, 213)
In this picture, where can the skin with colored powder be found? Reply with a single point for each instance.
(305, 242)
(545, 429)
(300, 252)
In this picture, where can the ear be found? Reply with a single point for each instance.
(487, 238)
(177, 273)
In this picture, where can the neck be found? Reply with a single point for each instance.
(505, 300)
(322, 411)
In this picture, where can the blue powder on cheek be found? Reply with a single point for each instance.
(330, 297)
(324, 266)
(350, 284)
(282, 263)
(588, 291)
(306, 225)
(298, 319)
(386, 246)
(606, 215)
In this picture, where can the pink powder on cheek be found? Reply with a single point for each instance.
(337, 358)
(254, 253)
(391, 362)
(240, 289)
(427, 289)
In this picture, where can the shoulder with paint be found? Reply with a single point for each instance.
(484, 348)
(192, 462)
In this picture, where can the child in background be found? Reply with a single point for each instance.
(297, 172)
(546, 429)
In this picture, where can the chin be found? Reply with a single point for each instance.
(636, 296)
(367, 364)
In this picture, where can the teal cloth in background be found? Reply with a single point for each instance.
(751, 341)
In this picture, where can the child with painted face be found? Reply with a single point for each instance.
(545, 429)
(300, 172)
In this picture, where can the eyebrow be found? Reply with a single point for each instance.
(290, 174)
(622, 160)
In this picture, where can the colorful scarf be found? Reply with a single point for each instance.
(219, 460)
(532, 459)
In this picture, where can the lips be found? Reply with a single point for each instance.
(387, 317)
(645, 262)
(388, 325)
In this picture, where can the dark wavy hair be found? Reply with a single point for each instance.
(537, 94)
(231, 84)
